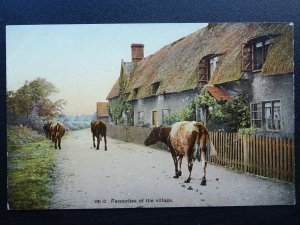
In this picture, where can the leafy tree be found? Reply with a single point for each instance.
(117, 107)
(31, 102)
(186, 114)
(226, 115)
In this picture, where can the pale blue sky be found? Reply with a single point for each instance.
(82, 61)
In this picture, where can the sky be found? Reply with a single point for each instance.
(82, 61)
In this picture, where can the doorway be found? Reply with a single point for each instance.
(154, 118)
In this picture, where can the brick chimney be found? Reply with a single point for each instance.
(137, 52)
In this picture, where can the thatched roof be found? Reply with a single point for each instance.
(115, 91)
(126, 71)
(175, 66)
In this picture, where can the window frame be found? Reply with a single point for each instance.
(249, 53)
(164, 115)
(154, 88)
(204, 67)
(141, 117)
(268, 110)
(135, 92)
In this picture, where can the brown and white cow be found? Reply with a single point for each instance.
(184, 138)
(57, 130)
(98, 129)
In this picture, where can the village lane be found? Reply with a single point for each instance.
(129, 175)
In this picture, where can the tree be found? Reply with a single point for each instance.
(226, 115)
(32, 101)
(117, 107)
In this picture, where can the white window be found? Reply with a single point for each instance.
(140, 118)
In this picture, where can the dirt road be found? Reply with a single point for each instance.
(130, 175)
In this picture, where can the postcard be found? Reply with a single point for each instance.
(150, 115)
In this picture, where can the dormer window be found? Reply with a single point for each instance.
(154, 88)
(135, 92)
(207, 67)
(254, 53)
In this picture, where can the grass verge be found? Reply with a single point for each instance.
(30, 162)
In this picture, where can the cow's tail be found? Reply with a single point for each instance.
(213, 151)
(197, 150)
(197, 153)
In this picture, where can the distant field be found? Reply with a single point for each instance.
(30, 162)
(77, 125)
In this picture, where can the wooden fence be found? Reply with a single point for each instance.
(261, 155)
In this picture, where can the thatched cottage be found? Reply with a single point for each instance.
(257, 57)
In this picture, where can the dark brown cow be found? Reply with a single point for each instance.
(46, 128)
(57, 130)
(184, 138)
(98, 129)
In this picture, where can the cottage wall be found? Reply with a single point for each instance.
(269, 88)
(277, 87)
(174, 102)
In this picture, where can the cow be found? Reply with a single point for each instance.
(46, 128)
(184, 138)
(57, 130)
(98, 129)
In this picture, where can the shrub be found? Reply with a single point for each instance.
(250, 130)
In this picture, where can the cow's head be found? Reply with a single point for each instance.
(153, 137)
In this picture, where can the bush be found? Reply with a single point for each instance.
(250, 130)
(186, 114)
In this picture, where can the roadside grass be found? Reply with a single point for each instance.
(30, 164)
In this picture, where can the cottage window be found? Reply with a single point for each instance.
(135, 92)
(207, 67)
(254, 53)
(256, 112)
(155, 87)
(140, 118)
(165, 114)
(266, 115)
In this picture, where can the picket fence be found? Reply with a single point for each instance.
(265, 156)
(272, 157)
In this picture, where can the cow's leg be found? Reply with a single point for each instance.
(180, 162)
(105, 142)
(190, 166)
(175, 164)
(94, 141)
(55, 143)
(204, 164)
(98, 142)
(59, 141)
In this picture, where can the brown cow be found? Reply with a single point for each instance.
(184, 138)
(98, 129)
(57, 130)
(46, 128)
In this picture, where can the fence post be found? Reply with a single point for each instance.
(245, 141)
